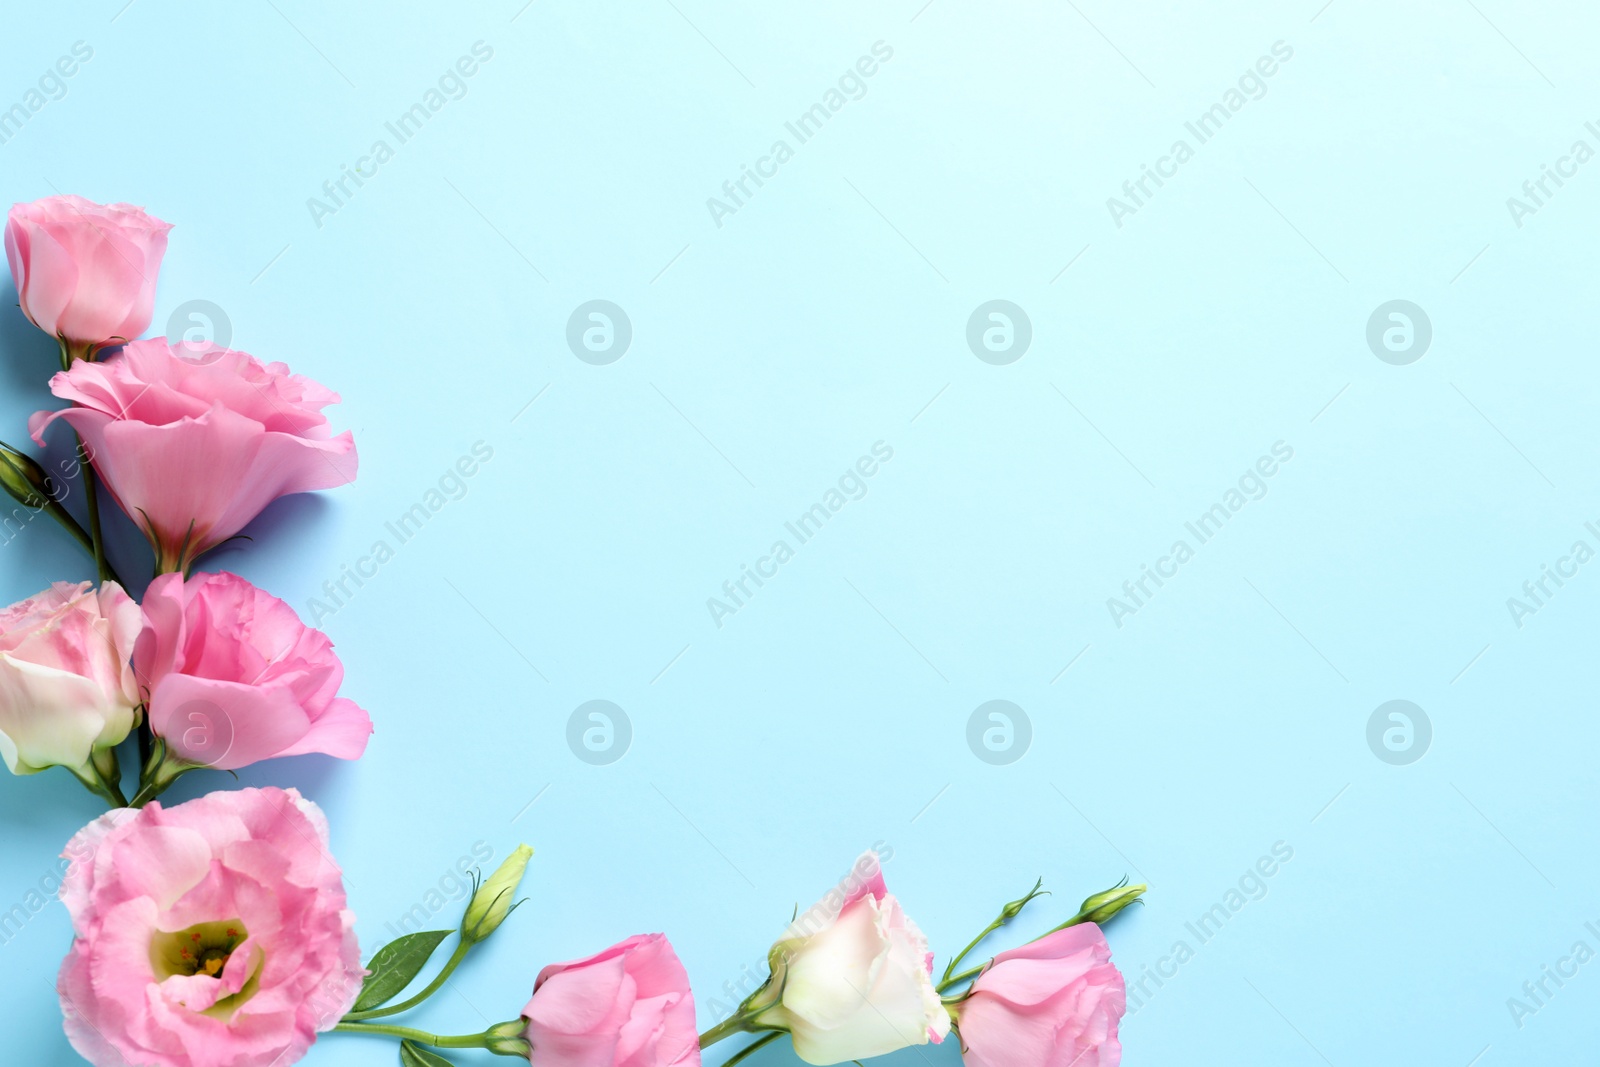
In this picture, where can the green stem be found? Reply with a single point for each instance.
(967, 975)
(421, 1037)
(1007, 913)
(1074, 921)
(973, 972)
(432, 987)
(97, 548)
(750, 1049)
(89, 502)
(56, 511)
(145, 740)
(955, 962)
(64, 517)
(157, 774)
(70, 524)
(733, 1024)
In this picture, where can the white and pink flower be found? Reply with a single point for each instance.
(66, 688)
(852, 977)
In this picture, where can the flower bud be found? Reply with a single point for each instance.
(1013, 909)
(27, 483)
(85, 272)
(24, 479)
(495, 898)
(1102, 906)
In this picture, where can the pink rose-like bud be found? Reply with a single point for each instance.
(66, 688)
(628, 1006)
(194, 440)
(85, 272)
(233, 676)
(213, 932)
(852, 976)
(1055, 1002)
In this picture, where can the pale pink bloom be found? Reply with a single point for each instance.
(1055, 1003)
(233, 676)
(194, 441)
(66, 688)
(852, 976)
(210, 934)
(628, 1006)
(85, 272)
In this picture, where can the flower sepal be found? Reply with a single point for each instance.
(509, 1039)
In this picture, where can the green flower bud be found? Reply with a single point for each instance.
(1102, 906)
(1013, 909)
(24, 479)
(495, 898)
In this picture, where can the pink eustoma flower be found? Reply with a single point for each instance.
(209, 934)
(1055, 1002)
(194, 441)
(233, 676)
(628, 1006)
(85, 272)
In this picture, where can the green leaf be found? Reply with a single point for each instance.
(416, 1056)
(395, 965)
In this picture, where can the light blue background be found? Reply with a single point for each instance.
(829, 313)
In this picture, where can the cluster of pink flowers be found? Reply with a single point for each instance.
(192, 442)
(216, 933)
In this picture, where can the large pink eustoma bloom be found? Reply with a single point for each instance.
(1055, 1002)
(628, 1006)
(67, 690)
(85, 272)
(852, 976)
(194, 440)
(210, 934)
(233, 676)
